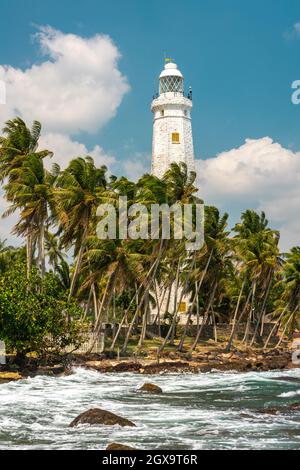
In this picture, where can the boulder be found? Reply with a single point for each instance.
(6, 377)
(96, 417)
(116, 446)
(279, 410)
(150, 388)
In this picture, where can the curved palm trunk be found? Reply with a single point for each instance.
(249, 319)
(124, 348)
(234, 323)
(145, 321)
(283, 334)
(41, 248)
(277, 325)
(159, 304)
(174, 311)
(98, 324)
(88, 304)
(125, 316)
(29, 253)
(262, 313)
(198, 287)
(78, 262)
(294, 320)
(210, 303)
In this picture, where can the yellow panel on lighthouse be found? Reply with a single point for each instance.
(182, 308)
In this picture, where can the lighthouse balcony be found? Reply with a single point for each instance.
(174, 94)
(171, 101)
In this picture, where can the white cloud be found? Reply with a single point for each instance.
(260, 175)
(293, 33)
(136, 167)
(78, 87)
(64, 149)
(7, 224)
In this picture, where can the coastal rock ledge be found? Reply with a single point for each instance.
(96, 417)
(116, 446)
(150, 388)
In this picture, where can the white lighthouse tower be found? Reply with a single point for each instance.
(172, 127)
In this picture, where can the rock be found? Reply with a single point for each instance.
(269, 411)
(115, 446)
(6, 377)
(50, 370)
(294, 407)
(150, 388)
(213, 355)
(100, 417)
(279, 410)
(227, 355)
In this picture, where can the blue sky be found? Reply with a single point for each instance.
(233, 53)
(239, 56)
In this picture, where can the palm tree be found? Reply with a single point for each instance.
(289, 303)
(53, 251)
(21, 165)
(30, 190)
(257, 256)
(77, 194)
(213, 267)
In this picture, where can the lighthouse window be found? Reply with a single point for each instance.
(175, 138)
(171, 84)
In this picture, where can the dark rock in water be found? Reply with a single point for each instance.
(245, 416)
(287, 379)
(100, 417)
(150, 388)
(294, 407)
(115, 446)
(51, 371)
(270, 411)
(279, 410)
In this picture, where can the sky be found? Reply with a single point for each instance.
(88, 71)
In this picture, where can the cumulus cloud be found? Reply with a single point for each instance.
(136, 167)
(75, 87)
(78, 86)
(64, 149)
(293, 33)
(7, 224)
(260, 175)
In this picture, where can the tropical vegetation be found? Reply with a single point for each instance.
(62, 279)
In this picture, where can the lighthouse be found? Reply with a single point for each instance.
(172, 126)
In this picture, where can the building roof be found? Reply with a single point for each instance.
(171, 70)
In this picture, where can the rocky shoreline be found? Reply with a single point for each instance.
(219, 362)
(210, 361)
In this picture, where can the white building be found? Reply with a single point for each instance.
(172, 142)
(172, 127)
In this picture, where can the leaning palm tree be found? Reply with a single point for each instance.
(17, 142)
(18, 145)
(288, 308)
(257, 256)
(30, 190)
(77, 193)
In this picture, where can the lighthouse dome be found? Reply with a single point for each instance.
(171, 79)
(171, 70)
